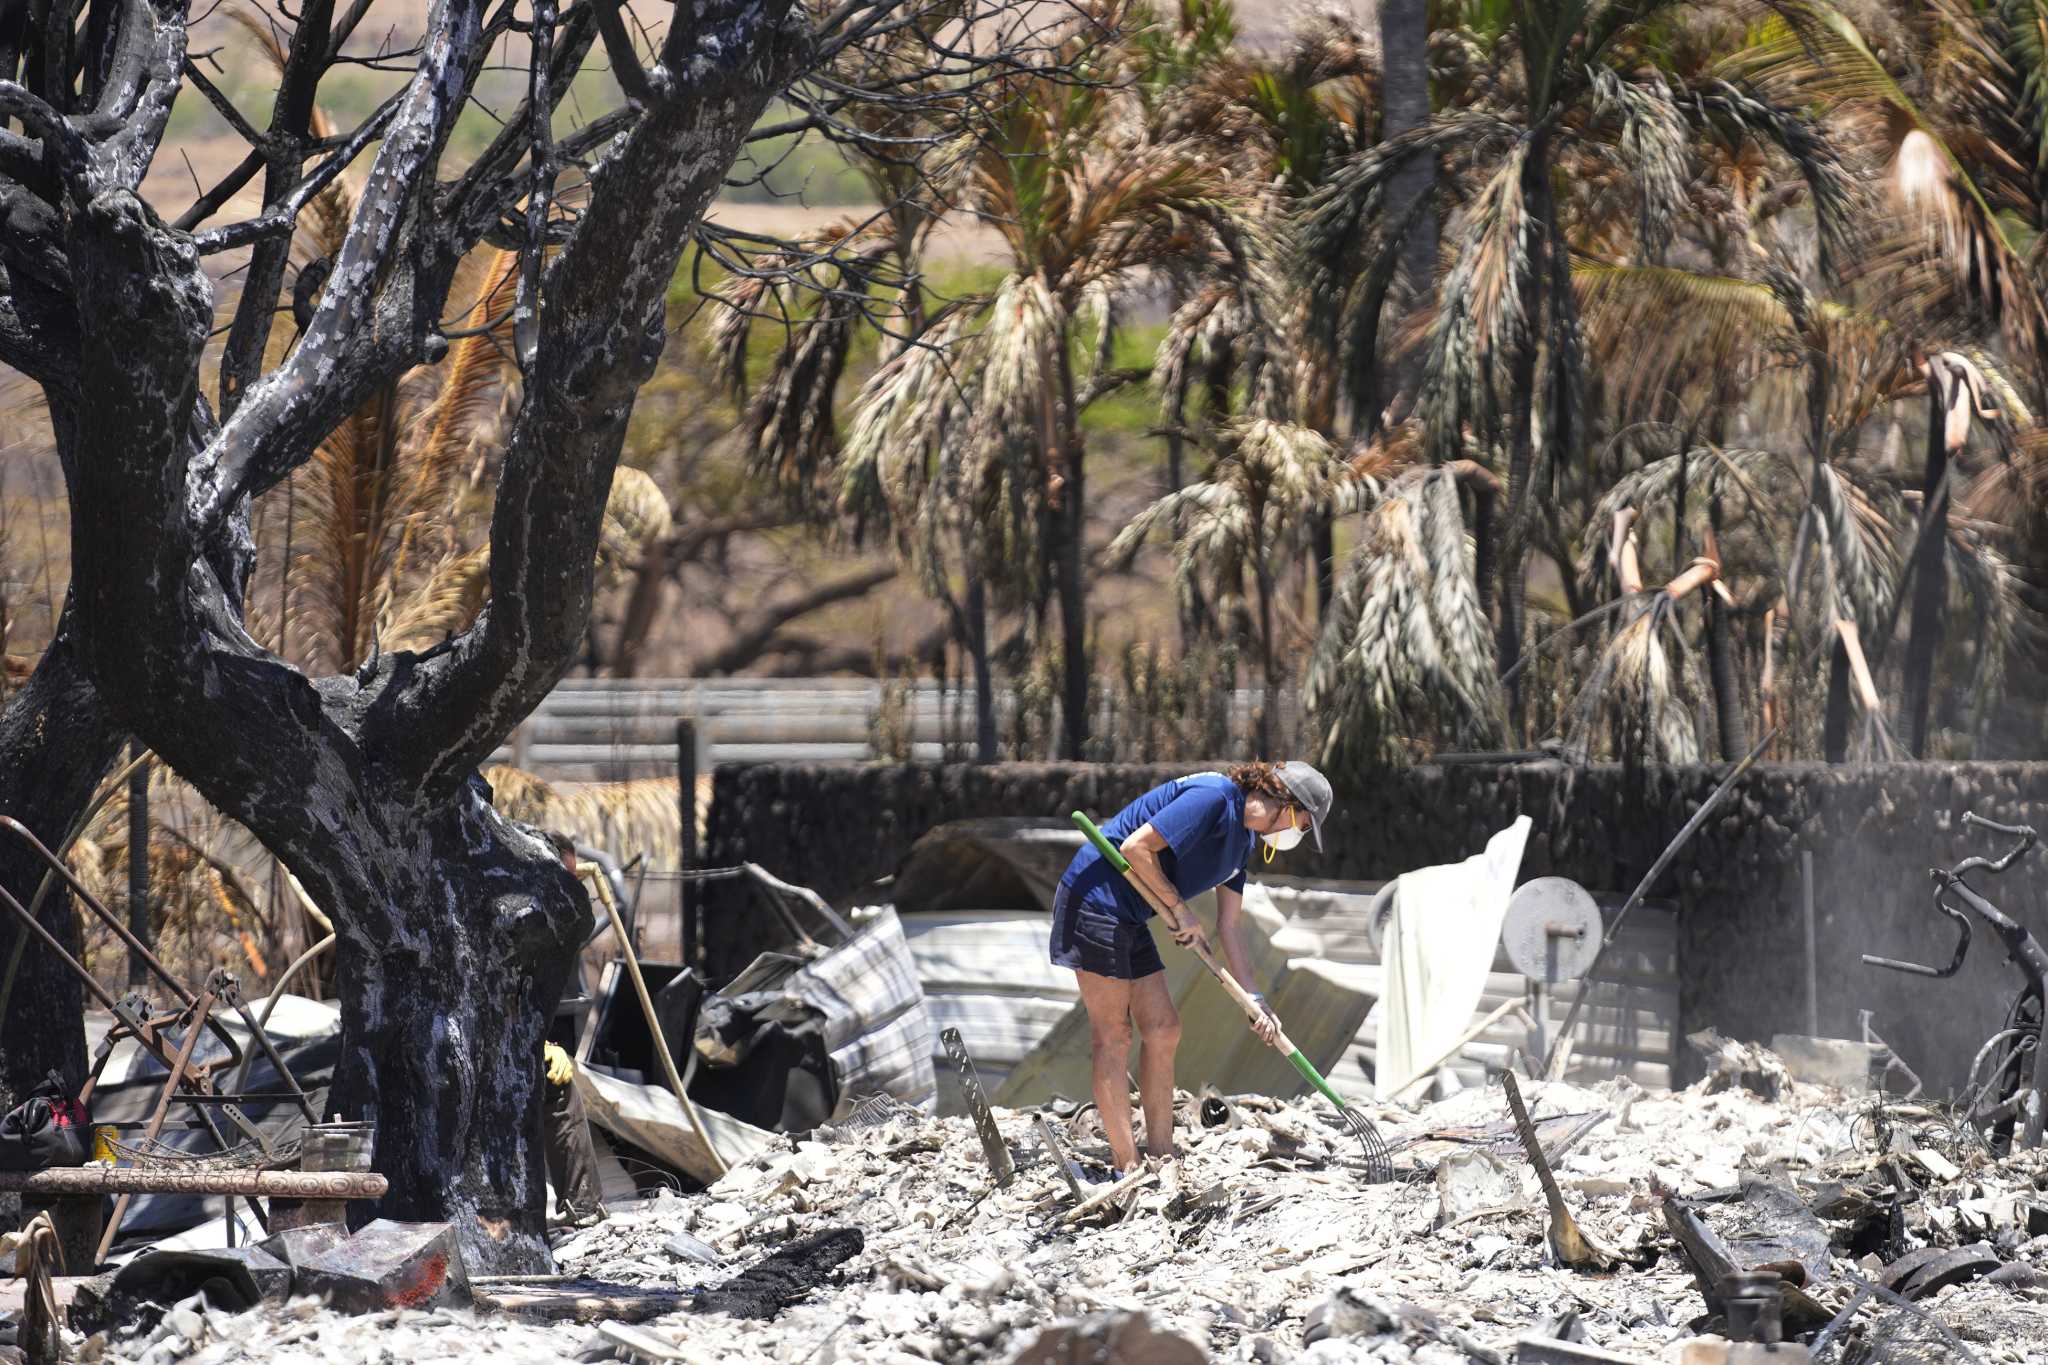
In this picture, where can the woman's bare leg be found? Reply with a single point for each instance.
(1158, 1035)
(1109, 1018)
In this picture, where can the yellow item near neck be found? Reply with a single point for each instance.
(1269, 852)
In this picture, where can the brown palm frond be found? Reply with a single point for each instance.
(636, 514)
(629, 819)
(1656, 330)
(340, 584)
(474, 373)
(1755, 485)
(446, 603)
(1820, 54)
(1643, 690)
(1481, 320)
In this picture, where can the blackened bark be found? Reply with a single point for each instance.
(139, 919)
(984, 679)
(1072, 552)
(1930, 558)
(1485, 546)
(57, 743)
(1326, 566)
(1514, 549)
(1269, 675)
(1515, 537)
(291, 119)
(455, 928)
(1404, 107)
(1726, 677)
(456, 935)
(1834, 741)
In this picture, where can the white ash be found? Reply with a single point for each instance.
(956, 1272)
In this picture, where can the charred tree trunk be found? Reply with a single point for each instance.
(57, 744)
(1721, 670)
(1930, 558)
(1514, 536)
(1269, 676)
(1073, 585)
(456, 927)
(1515, 531)
(1835, 724)
(1404, 107)
(984, 677)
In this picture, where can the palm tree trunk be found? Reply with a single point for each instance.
(984, 685)
(1404, 106)
(1721, 669)
(1930, 565)
(1835, 726)
(1514, 583)
(1485, 547)
(1269, 678)
(1073, 589)
(1326, 566)
(1514, 579)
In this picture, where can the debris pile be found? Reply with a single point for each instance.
(1884, 1227)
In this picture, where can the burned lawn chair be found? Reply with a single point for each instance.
(172, 1038)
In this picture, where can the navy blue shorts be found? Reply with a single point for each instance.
(1086, 939)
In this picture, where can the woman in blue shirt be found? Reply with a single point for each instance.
(1183, 837)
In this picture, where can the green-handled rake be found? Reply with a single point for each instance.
(1379, 1162)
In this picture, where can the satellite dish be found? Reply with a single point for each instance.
(1552, 931)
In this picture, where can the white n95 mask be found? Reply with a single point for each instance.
(1282, 839)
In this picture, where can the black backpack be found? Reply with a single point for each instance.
(47, 1129)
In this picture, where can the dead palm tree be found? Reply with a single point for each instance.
(1572, 85)
(987, 416)
(1406, 656)
(1272, 486)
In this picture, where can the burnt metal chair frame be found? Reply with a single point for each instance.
(1995, 1113)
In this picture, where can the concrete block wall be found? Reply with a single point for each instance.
(1874, 831)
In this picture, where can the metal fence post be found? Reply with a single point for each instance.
(138, 864)
(686, 809)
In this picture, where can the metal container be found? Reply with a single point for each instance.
(336, 1147)
(1755, 1304)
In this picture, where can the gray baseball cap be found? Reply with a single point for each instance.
(1312, 790)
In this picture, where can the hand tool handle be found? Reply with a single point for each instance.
(1115, 858)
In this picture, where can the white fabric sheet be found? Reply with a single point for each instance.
(1439, 947)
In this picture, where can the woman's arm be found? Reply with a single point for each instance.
(1141, 850)
(1230, 929)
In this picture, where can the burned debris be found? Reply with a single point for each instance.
(1785, 1207)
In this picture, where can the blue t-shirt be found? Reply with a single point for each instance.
(1201, 818)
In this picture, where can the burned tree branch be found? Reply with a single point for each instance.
(216, 97)
(248, 459)
(209, 203)
(279, 221)
(625, 59)
(755, 639)
(601, 327)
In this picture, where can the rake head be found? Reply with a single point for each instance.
(1379, 1162)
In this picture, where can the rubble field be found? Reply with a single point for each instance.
(1262, 1235)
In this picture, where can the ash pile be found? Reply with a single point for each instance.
(1660, 1228)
